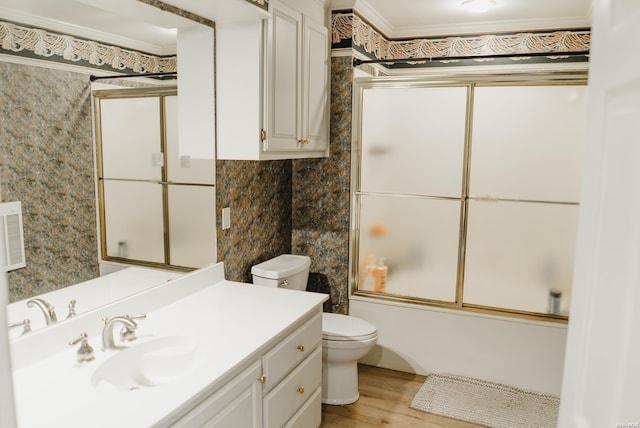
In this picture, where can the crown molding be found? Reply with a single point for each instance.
(372, 15)
(489, 27)
(86, 33)
(390, 32)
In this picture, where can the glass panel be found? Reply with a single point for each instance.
(134, 221)
(183, 167)
(413, 140)
(192, 225)
(517, 252)
(131, 149)
(527, 142)
(418, 239)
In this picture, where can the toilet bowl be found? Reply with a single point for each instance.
(345, 339)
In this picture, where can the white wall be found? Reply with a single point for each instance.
(420, 339)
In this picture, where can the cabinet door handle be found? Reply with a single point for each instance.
(262, 379)
(301, 348)
(300, 390)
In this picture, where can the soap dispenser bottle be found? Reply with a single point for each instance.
(380, 276)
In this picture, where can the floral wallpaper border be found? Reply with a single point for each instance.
(20, 40)
(349, 30)
(262, 4)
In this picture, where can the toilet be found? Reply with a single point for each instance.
(345, 339)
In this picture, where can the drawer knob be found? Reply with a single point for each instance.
(262, 379)
(301, 348)
(301, 389)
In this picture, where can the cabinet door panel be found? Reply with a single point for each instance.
(315, 104)
(237, 404)
(283, 79)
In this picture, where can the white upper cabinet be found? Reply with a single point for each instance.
(273, 87)
(315, 87)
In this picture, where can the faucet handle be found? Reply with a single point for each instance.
(72, 309)
(26, 324)
(128, 333)
(85, 352)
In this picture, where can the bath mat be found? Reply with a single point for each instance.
(486, 403)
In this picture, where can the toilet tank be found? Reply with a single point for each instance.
(286, 271)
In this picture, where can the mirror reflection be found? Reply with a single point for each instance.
(47, 158)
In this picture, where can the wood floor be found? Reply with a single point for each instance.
(385, 396)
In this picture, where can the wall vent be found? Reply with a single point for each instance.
(11, 234)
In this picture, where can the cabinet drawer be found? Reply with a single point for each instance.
(310, 414)
(287, 354)
(294, 391)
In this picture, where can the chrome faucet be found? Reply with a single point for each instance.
(108, 341)
(47, 309)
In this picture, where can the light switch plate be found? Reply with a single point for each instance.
(226, 218)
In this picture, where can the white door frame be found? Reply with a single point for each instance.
(601, 382)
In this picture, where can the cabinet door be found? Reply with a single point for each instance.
(315, 71)
(237, 404)
(284, 86)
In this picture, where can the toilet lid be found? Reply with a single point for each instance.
(345, 327)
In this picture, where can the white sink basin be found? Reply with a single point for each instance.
(151, 363)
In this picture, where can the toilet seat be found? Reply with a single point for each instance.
(345, 328)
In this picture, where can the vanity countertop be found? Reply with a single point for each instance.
(232, 323)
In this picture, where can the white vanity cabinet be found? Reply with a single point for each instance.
(279, 388)
(273, 85)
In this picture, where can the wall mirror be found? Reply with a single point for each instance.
(483, 213)
(49, 120)
(156, 204)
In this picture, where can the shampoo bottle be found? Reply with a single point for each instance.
(380, 276)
